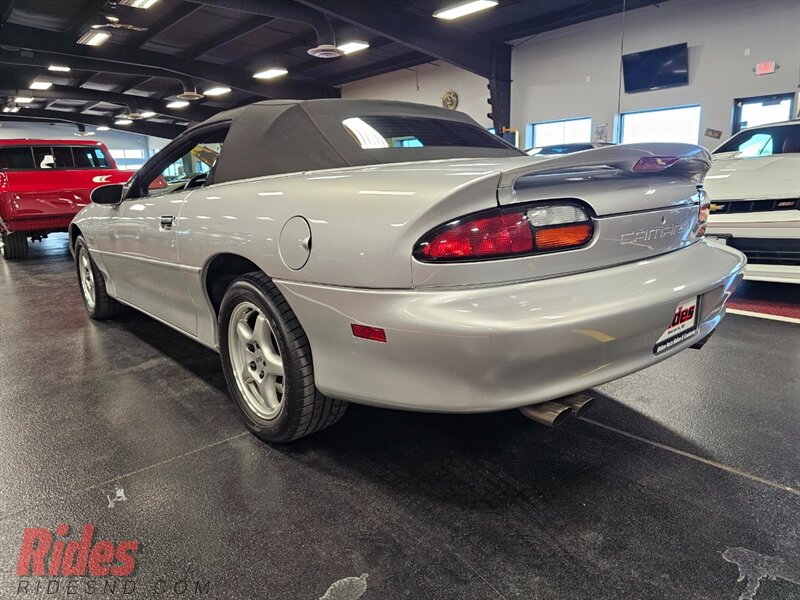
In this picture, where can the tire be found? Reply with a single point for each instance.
(15, 245)
(98, 303)
(276, 407)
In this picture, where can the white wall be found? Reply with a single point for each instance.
(550, 71)
(426, 84)
(116, 140)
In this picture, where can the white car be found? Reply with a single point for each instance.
(754, 188)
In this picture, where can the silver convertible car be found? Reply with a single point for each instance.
(400, 255)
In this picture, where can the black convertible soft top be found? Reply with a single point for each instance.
(288, 136)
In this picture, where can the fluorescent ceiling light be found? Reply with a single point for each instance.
(61, 68)
(178, 104)
(353, 46)
(94, 38)
(103, 128)
(138, 3)
(123, 122)
(23, 100)
(41, 85)
(456, 11)
(270, 73)
(146, 114)
(217, 91)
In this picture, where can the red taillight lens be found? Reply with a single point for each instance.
(495, 235)
(502, 233)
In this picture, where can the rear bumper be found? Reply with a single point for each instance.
(494, 348)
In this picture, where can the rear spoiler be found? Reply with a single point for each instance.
(686, 160)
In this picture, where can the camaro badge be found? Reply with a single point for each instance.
(654, 233)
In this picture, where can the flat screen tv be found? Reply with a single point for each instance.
(656, 69)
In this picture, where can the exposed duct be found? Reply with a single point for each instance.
(290, 11)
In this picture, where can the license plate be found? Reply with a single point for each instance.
(682, 327)
(720, 239)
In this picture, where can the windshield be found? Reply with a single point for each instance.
(764, 141)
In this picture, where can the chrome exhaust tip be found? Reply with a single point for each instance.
(551, 414)
(577, 403)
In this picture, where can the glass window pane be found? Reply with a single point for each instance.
(667, 125)
(764, 141)
(569, 131)
(43, 157)
(16, 158)
(416, 132)
(63, 157)
(199, 160)
(90, 157)
(763, 112)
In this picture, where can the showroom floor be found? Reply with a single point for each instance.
(682, 477)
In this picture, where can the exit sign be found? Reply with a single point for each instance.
(765, 68)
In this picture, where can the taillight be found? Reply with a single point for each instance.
(703, 212)
(654, 164)
(502, 233)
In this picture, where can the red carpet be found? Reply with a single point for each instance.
(780, 299)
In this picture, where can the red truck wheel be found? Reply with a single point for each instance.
(15, 245)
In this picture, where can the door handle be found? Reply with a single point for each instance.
(166, 222)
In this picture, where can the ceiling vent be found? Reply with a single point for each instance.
(325, 51)
(190, 96)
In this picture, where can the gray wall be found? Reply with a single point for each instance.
(550, 70)
(575, 71)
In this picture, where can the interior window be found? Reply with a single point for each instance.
(569, 131)
(20, 157)
(663, 125)
(190, 169)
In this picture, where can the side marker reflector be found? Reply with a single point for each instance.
(376, 334)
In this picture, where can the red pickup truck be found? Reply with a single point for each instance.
(43, 185)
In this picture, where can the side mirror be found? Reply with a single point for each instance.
(108, 194)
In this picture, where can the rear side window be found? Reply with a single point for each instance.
(62, 155)
(90, 157)
(417, 132)
(19, 157)
(764, 141)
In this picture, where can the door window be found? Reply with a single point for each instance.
(90, 157)
(20, 157)
(191, 168)
(763, 141)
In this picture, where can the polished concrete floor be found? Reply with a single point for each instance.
(682, 478)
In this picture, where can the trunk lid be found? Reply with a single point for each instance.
(636, 215)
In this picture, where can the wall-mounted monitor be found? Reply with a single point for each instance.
(656, 69)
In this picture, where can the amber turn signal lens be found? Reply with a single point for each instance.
(568, 236)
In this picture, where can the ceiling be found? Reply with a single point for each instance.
(199, 44)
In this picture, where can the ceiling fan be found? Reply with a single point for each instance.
(110, 20)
